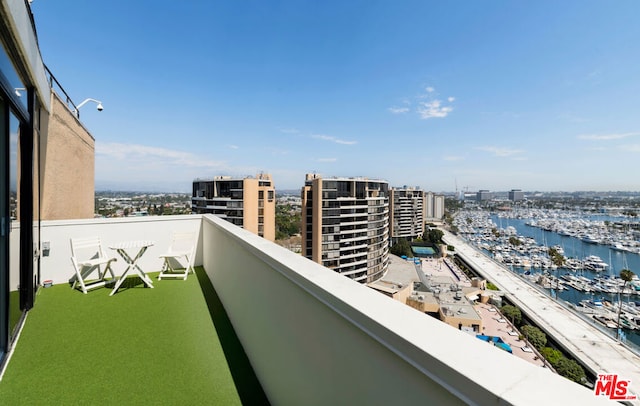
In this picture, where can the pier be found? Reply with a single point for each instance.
(594, 349)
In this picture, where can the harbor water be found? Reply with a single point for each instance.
(576, 248)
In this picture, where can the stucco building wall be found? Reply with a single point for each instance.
(67, 166)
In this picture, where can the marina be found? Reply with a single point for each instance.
(580, 334)
(524, 242)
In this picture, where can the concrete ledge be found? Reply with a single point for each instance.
(315, 337)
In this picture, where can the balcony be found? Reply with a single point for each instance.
(301, 327)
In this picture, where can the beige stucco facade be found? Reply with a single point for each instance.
(248, 202)
(310, 193)
(259, 215)
(407, 213)
(67, 163)
(345, 225)
(395, 291)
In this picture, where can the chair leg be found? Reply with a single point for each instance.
(166, 267)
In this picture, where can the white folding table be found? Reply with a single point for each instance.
(124, 248)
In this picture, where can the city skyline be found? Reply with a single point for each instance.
(495, 96)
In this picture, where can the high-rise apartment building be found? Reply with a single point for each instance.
(516, 195)
(407, 213)
(246, 202)
(434, 206)
(438, 207)
(484, 195)
(345, 225)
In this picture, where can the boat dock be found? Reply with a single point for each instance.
(596, 350)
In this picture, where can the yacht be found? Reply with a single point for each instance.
(595, 263)
(590, 239)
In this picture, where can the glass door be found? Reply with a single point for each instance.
(15, 313)
(4, 228)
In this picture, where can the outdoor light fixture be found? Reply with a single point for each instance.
(99, 107)
(17, 91)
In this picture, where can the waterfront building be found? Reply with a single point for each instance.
(484, 195)
(300, 329)
(434, 207)
(407, 213)
(516, 195)
(345, 225)
(438, 207)
(246, 202)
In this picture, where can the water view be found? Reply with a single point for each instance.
(594, 267)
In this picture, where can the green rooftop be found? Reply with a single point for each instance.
(169, 345)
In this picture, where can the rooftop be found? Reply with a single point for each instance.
(172, 344)
(298, 328)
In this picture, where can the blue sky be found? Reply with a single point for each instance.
(539, 95)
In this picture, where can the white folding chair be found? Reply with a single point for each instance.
(182, 248)
(87, 255)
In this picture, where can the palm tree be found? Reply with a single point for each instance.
(626, 275)
(558, 260)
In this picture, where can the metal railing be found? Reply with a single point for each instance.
(57, 87)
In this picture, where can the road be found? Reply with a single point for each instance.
(596, 350)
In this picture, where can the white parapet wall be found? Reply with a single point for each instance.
(314, 337)
(55, 263)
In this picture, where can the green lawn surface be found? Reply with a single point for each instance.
(172, 344)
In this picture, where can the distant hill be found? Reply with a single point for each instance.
(295, 192)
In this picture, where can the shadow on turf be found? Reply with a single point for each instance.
(245, 379)
(129, 283)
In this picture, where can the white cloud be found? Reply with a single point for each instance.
(135, 153)
(333, 139)
(233, 146)
(500, 151)
(288, 130)
(398, 110)
(433, 109)
(632, 148)
(326, 159)
(606, 137)
(427, 106)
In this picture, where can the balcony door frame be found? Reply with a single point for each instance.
(12, 110)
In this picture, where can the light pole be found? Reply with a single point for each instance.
(77, 109)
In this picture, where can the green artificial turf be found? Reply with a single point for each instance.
(140, 346)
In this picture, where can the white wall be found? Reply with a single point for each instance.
(57, 265)
(315, 337)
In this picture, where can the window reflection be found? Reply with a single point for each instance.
(14, 212)
(36, 201)
(12, 77)
(13, 169)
